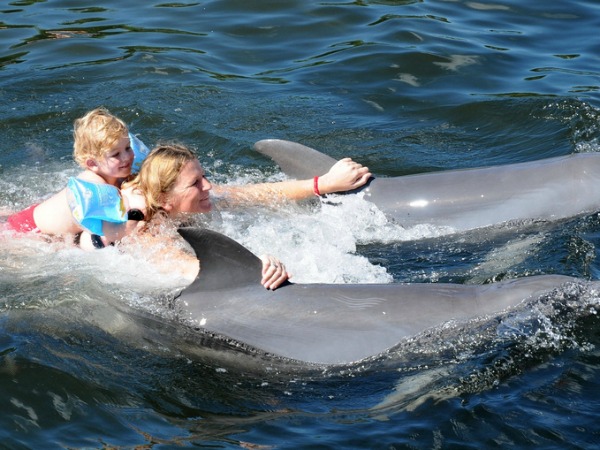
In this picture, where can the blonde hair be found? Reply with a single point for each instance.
(159, 173)
(96, 134)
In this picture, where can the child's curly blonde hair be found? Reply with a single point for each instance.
(96, 134)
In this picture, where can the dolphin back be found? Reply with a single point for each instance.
(466, 199)
(329, 323)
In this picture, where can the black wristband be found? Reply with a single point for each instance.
(135, 214)
(96, 241)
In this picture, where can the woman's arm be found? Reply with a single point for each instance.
(161, 246)
(345, 175)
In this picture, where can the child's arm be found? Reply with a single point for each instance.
(112, 232)
(103, 213)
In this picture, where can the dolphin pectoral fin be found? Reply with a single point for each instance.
(295, 160)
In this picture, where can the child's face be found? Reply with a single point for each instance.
(117, 162)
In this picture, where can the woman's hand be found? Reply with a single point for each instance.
(273, 272)
(344, 175)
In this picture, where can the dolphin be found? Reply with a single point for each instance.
(330, 324)
(466, 199)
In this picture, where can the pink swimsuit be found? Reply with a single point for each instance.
(23, 221)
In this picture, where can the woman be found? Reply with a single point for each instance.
(172, 183)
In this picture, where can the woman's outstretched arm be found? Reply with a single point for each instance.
(345, 175)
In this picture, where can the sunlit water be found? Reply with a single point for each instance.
(91, 353)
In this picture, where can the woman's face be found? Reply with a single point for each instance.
(190, 193)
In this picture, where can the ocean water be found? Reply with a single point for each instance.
(402, 86)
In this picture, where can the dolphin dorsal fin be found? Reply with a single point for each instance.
(223, 261)
(295, 160)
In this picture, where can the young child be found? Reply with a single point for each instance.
(92, 200)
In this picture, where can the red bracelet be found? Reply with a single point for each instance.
(316, 186)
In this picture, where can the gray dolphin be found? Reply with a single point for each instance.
(465, 199)
(330, 324)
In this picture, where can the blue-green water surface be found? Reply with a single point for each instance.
(403, 86)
